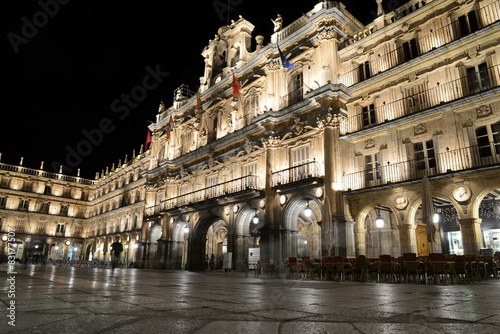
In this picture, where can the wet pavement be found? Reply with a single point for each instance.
(88, 300)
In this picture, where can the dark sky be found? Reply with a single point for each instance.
(63, 77)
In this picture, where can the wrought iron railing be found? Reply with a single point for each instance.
(297, 173)
(423, 44)
(291, 98)
(245, 183)
(449, 161)
(468, 85)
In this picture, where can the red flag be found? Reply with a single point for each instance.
(148, 140)
(198, 101)
(236, 87)
(170, 126)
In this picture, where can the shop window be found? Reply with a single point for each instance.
(455, 242)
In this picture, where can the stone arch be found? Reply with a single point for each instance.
(241, 237)
(477, 199)
(197, 241)
(292, 214)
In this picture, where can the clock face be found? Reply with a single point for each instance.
(461, 193)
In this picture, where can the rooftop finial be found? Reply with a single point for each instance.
(380, 9)
(78, 172)
(60, 169)
(125, 162)
(133, 153)
(41, 165)
(142, 149)
(21, 162)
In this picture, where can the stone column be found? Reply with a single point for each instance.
(331, 125)
(360, 242)
(268, 246)
(139, 254)
(472, 238)
(407, 238)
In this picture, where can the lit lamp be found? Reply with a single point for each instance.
(437, 216)
(307, 210)
(67, 242)
(379, 221)
(4, 238)
(186, 229)
(255, 219)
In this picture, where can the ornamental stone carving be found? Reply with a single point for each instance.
(298, 126)
(273, 65)
(420, 128)
(248, 146)
(483, 111)
(369, 143)
(271, 142)
(330, 120)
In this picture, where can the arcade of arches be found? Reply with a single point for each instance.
(232, 231)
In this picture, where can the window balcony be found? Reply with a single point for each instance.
(463, 159)
(416, 47)
(227, 190)
(473, 83)
(307, 173)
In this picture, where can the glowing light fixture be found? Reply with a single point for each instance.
(379, 221)
(186, 229)
(307, 210)
(255, 219)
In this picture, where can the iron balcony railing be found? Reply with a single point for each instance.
(305, 171)
(245, 183)
(472, 83)
(421, 45)
(291, 98)
(462, 159)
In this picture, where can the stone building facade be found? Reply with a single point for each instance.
(304, 159)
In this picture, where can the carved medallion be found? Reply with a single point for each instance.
(483, 111)
(401, 202)
(420, 128)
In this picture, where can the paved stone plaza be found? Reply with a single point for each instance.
(88, 300)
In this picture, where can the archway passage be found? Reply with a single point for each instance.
(301, 217)
(382, 235)
(489, 213)
(197, 249)
(216, 245)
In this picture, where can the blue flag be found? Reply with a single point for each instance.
(286, 64)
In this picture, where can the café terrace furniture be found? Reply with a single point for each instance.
(293, 267)
(414, 270)
(389, 268)
(342, 268)
(441, 268)
(462, 270)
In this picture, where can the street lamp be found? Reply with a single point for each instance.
(186, 228)
(437, 216)
(379, 221)
(255, 219)
(307, 210)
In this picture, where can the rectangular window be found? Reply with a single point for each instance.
(368, 115)
(3, 202)
(488, 140)
(297, 93)
(300, 159)
(373, 167)
(44, 208)
(364, 71)
(60, 228)
(212, 183)
(64, 210)
(408, 51)
(250, 171)
(425, 157)
(416, 98)
(478, 78)
(467, 24)
(24, 204)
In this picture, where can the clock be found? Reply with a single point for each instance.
(462, 193)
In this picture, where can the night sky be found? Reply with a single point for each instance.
(63, 77)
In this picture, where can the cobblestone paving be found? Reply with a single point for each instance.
(88, 300)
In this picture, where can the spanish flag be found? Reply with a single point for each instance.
(170, 126)
(148, 140)
(236, 87)
(198, 101)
